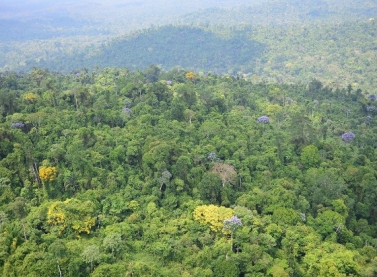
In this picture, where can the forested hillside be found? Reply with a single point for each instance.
(116, 172)
(275, 41)
(285, 13)
(169, 46)
(336, 55)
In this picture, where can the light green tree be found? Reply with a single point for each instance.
(91, 255)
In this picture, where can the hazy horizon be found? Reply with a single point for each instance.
(32, 31)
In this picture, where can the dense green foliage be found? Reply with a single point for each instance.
(337, 55)
(128, 158)
(171, 46)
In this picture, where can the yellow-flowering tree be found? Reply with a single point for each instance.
(191, 76)
(213, 216)
(71, 214)
(47, 173)
(30, 97)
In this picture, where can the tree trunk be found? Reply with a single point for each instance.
(24, 230)
(231, 241)
(36, 174)
(60, 271)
